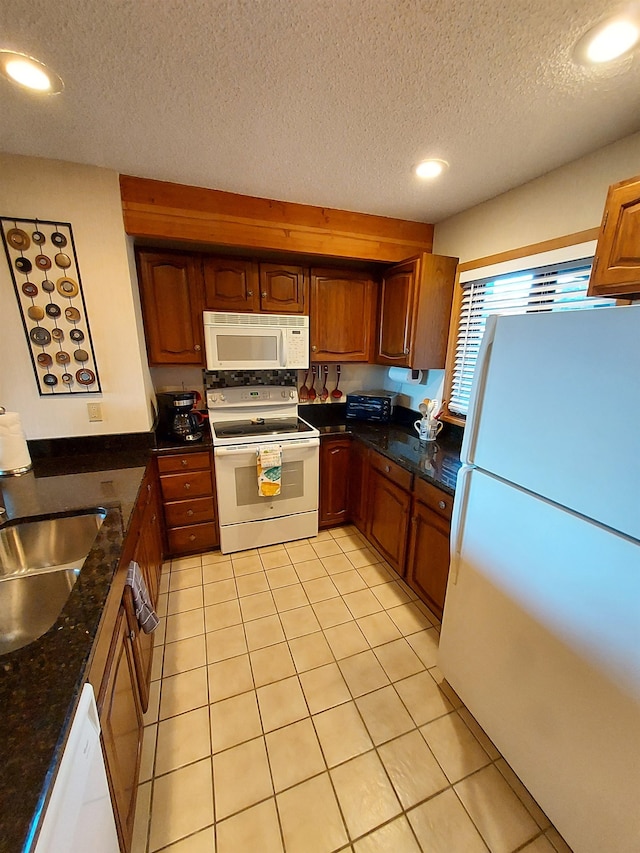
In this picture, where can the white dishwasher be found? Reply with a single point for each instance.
(79, 815)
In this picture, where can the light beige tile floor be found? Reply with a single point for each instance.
(296, 706)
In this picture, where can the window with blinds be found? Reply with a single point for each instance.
(557, 287)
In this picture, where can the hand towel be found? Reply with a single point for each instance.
(145, 614)
(269, 469)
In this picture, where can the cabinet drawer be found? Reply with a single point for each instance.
(179, 513)
(394, 472)
(433, 497)
(193, 537)
(183, 462)
(195, 484)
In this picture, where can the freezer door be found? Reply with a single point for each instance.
(541, 640)
(556, 409)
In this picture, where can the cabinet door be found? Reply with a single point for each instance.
(171, 295)
(342, 313)
(230, 284)
(358, 485)
(388, 519)
(121, 723)
(428, 561)
(335, 455)
(616, 267)
(396, 311)
(283, 289)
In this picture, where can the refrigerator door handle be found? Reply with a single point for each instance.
(458, 519)
(469, 440)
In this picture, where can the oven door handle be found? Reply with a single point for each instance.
(236, 449)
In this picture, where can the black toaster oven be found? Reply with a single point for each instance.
(374, 406)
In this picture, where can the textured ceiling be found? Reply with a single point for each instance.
(327, 102)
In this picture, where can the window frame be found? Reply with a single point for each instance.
(570, 247)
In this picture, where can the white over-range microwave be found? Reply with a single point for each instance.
(256, 341)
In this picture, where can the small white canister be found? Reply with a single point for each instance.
(14, 453)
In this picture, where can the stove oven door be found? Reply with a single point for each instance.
(237, 482)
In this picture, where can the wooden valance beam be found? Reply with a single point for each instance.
(165, 211)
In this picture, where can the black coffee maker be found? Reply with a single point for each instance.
(177, 420)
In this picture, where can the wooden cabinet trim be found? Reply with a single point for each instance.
(163, 210)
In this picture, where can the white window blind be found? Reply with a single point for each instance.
(555, 287)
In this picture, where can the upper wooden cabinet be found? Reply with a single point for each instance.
(230, 284)
(343, 315)
(616, 267)
(284, 289)
(415, 308)
(234, 284)
(171, 295)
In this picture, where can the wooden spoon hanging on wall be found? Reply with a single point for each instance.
(324, 394)
(312, 390)
(303, 393)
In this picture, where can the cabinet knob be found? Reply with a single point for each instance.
(132, 636)
(187, 486)
(264, 294)
(314, 348)
(387, 468)
(442, 504)
(406, 350)
(184, 462)
(197, 347)
(148, 487)
(189, 512)
(249, 292)
(192, 538)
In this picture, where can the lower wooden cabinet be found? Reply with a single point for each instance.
(428, 559)
(335, 459)
(122, 727)
(188, 502)
(388, 520)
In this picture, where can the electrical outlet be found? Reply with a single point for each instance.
(95, 411)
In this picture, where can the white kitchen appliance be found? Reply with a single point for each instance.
(256, 341)
(541, 626)
(242, 421)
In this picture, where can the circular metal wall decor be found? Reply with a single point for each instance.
(40, 245)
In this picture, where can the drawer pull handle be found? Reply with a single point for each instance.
(387, 468)
(189, 512)
(197, 347)
(192, 538)
(184, 462)
(187, 486)
(442, 505)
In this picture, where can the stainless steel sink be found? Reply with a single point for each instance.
(40, 561)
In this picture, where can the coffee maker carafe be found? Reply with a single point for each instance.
(177, 419)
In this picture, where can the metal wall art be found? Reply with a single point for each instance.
(46, 278)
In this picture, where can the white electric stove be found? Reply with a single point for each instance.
(242, 421)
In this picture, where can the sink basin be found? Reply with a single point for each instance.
(40, 561)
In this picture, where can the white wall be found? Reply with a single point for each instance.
(88, 198)
(564, 201)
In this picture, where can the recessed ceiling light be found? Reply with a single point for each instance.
(608, 40)
(431, 168)
(29, 72)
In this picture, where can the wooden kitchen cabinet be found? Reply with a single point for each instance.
(389, 506)
(616, 266)
(284, 289)
(335, 458)
(171, 295)
(122, 727)
(428, 555)
(359, 485)
(187, 487)
(342, 315)
(230, 284)
(415, 309)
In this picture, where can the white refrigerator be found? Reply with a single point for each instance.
(541, 626)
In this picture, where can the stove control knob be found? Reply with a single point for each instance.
(213, 398)
(291, 395)
(222, 398)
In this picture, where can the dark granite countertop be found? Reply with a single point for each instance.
(435, 461)
(41, 682)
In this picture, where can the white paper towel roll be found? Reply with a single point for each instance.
(14, 453)
(405, 375)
